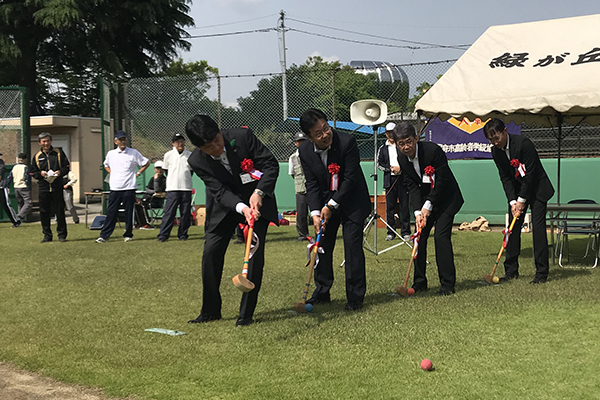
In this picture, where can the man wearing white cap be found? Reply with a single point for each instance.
(121, 163)
(393, 183)
(179, 190)
(296, 172)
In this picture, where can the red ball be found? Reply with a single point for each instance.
(426, 365)
(410, 291)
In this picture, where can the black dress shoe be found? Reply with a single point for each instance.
(204, 318)
(445, 292)
(244, 321)
(353, 306)
(62, 240)
(419, 288)
(318, 300)
(46, 239)
(508, 277)
(539, 280)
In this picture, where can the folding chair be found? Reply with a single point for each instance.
(156, 212)
(580, 228)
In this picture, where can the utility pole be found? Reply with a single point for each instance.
(282, 49)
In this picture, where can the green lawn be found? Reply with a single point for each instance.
(77, 311)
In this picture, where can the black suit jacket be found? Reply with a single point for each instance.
(352, 194)
(535, 183)
(445, 194)
(226, 190)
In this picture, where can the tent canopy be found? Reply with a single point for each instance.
(525, 73)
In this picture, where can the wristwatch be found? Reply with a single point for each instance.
(259, 192)
(331, 208)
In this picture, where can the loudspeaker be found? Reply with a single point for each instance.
(368, 112)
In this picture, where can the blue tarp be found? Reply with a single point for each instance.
(351, 126)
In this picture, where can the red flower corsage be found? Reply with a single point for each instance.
(520, 167)
(247, 165)
(429, 171)
(334, 170)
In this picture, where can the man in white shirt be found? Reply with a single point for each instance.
(179, 190)
(296, 172)
(393, 183)
(121, 163)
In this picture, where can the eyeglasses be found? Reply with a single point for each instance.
(405, 142)
(325, 128)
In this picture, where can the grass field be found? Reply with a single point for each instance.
(77, 311)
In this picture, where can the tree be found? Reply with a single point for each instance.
(421, 90)
(70, 38)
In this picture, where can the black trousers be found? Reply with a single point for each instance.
(540, 241)
(53, 203)
(175, 199)
(115, 199)
(397, 192)
(213, 258)
(356, 280)
(444, 254)
(302, 215)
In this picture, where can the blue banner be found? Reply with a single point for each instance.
(463, 138)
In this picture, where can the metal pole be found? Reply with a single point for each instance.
(560, 120)
(375, 220)
(219, 100)
(281, 30)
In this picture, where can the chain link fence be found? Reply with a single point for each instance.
(153, 109)
(11, 123)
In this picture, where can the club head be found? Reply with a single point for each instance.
(402, 291)
(299, 307)
(242, 283)
(488, 278)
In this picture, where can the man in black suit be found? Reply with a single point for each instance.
(336, 193)
(387, 161)
(238, 193)
(526, 184)
(435, 197)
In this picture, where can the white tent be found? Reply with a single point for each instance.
(546, 73)
(531, 72)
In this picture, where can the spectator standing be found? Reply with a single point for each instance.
(121, 163)
(179, 190)
(48, 166)
(22, 184)
(393, 183)
(4, 199)
(69, 180)
(295, 170)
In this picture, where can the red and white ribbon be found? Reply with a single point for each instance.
(248, 166)
(430, 171)
(415, 239)
(309, 248)
(334, 170)
(520, 167)
(507, 233)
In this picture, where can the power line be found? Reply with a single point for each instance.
(233, 33)
(233, 23)
(362, 42)
(459, 46)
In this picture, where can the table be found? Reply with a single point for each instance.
(556, 214)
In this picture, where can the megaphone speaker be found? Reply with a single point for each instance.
(368, 112)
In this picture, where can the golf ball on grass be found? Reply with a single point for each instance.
(410, 291)
(308, 307)
(426, 365)
(495, 279)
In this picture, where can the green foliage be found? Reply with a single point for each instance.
(77, 311)
(421, 90)
(68, 39)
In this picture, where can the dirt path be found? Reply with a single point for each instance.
(16, 384)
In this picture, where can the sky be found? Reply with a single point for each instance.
(389, 23)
